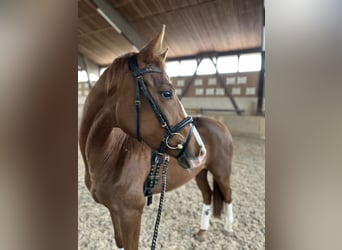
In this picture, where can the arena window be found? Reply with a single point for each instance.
(250, 62)
(172, 68)
(206, 67)
(227, 64)
(187, 67)
(82, 76)
(93, 77)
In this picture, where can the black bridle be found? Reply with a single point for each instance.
(170, 131)
(157, 157)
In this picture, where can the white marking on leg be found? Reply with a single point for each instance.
(206, 214)
(229, 217)
(121, 249)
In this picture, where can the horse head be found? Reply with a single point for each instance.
(147, 107)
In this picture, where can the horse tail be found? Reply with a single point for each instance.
(217, 200)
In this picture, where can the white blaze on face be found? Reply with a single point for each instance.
(195, 132)
(198, 137)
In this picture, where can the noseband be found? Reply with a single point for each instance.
(170, 131)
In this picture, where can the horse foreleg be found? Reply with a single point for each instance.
(203, 185)
(127, 224)
(117, 229)
(130, 220)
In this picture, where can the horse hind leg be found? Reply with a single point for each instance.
(229, 218)
(223, 201)
(203, 185)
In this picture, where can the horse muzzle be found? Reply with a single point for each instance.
(188, 162)
(192, 150)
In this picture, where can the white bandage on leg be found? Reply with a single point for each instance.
(206, 214)
(229, 217)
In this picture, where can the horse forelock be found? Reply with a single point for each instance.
(156, 61)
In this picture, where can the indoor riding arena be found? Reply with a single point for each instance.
(215, 60)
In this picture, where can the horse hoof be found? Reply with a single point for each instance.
(229, 233)
(201, 235)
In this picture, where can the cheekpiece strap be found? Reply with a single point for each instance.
(139, 84)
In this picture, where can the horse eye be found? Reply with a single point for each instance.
(167, 94)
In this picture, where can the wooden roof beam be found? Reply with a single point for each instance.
(119, 23)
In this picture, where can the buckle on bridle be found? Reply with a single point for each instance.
(179, 145)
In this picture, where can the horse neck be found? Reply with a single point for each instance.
(98, 118)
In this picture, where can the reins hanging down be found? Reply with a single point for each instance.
(153, 177)
(161, 201)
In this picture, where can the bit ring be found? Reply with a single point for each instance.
(179, 146)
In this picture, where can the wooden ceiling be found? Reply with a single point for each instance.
(192, 26)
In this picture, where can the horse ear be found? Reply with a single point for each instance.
(164, 54)
(154, 48)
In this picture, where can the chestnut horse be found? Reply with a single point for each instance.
(118, 131)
